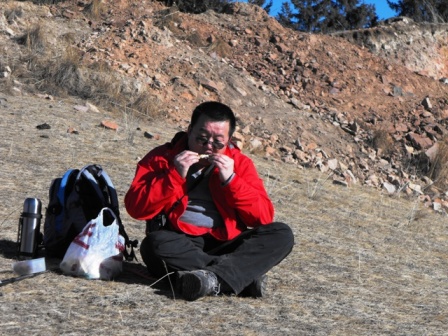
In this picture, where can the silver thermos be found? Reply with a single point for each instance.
(29, 236)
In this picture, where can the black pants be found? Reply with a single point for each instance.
(237, 262)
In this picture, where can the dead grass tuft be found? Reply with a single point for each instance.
(148, 105)
(62, 75)
(13, 14)
(439, 167)
(66, 75)
(382, 142)
(317, 186)
(34, 39)
(196, 39)
(220, 47)
(94, 9)
(171, 18)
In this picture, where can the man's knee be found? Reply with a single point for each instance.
(281, 231)
(150, 244)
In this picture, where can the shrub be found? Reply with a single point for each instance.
(382, 142)
(439, 165)
(33, 39)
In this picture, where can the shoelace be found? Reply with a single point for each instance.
(216, 289)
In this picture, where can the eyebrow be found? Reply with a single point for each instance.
(203, 130)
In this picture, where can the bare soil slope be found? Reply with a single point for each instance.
(311, 100)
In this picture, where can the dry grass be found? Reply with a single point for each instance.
(147, 105)
(99, 83)
(382, 142)
(222, 48)
(13, 14)
(364, 263)
(439, 165)
(63, 75)
(94, 9)
(171, 18)
(34, 39)
(58, 69)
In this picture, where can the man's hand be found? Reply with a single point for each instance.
(224, 164)
(184, 160)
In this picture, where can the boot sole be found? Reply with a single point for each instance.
(191, 287)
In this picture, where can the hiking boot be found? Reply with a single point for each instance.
(196, 284)
(257, 289)
(178, 281)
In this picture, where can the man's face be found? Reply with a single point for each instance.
(208, 136)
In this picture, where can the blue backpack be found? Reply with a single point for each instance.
(74, 199)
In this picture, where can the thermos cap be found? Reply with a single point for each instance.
(32, 205)
(29, 266)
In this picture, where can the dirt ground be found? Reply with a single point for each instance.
(364, 263)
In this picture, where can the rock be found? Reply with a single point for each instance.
(296, 103)
(72, 130)
(209, 85)
(43, 126)
(109, 124)
(419, 141)
(288, 159)
(409, 149)
(281, 47)
(427, 104)
(246, 130)
(437, 205)
(92, 108)
(148, 135)
(81, 108)
(341, 183)
(270, 151)
(298, 144)
(332, 164)
(350, 177)
(239, 139)
(311, 146)
(432, 152)
(300, 155)
(415, 188)
(390, 188)
(255, 143)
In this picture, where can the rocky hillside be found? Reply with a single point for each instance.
(420, 47)
(361, 110)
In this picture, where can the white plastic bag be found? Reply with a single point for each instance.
(96, 253)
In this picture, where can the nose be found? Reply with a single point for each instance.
(208, 143)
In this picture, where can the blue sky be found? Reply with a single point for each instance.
(382, 8)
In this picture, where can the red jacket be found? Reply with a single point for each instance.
(157, 186)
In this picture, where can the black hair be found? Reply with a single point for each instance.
(215, 111)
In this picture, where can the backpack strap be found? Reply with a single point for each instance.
(115, 206)
(88, 172)
(61, 193)
(111, 190)
(85, 171)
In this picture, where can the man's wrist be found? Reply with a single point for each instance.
(226, 182)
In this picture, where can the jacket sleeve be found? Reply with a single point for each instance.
(247, 195)
(155, 187)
